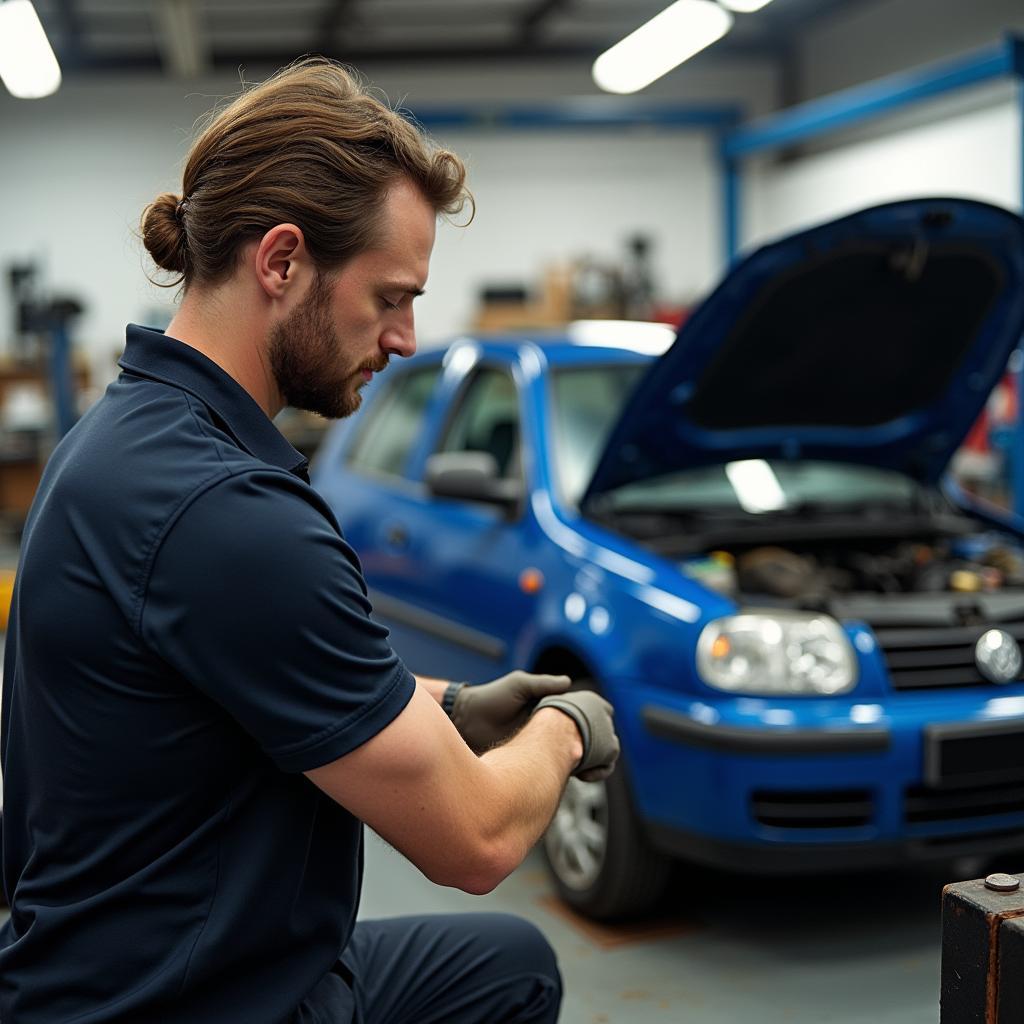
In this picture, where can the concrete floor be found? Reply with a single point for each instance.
(860, 949)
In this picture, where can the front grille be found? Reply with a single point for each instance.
(923, 804)
(846, 808)
(935, 657)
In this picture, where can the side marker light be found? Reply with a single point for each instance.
(531, 581)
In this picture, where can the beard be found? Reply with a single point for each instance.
(304, 354)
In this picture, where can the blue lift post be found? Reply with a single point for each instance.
(61, 377)
(862, 103)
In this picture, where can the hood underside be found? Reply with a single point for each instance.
(874, 339)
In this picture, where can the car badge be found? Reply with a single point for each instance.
(998, 656)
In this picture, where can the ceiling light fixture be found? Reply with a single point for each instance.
(744, 6)
(180, 38)
(655, 48)
(28, 66)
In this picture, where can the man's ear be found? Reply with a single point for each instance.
(282, 262)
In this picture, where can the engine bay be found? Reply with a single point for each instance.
(826, 562)
(811, 574)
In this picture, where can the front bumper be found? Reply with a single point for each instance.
(728, 739)
(776, 786)
(797, 858)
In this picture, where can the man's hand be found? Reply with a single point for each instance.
(593, 717)
(490, 713)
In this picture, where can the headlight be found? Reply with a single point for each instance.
(776, 653)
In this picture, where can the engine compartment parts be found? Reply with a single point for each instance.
(717, 571)
(778, 571)
(813, 573)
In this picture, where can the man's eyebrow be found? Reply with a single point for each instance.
(404, 286)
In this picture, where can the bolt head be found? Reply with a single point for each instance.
(1002, 883)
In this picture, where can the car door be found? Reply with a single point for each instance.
(461, 604)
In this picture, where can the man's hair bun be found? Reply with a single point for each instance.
(163, 234)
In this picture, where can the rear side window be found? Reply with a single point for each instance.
(395, 423)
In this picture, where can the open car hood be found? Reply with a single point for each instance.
(875, 339)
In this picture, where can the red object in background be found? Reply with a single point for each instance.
(1000, 410)
(674, 315)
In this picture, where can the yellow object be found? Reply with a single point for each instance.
(964, 581)
(6, 594)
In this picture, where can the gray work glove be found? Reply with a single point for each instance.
(490, 713)
(593, 717)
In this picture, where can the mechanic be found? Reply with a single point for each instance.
(199, 712)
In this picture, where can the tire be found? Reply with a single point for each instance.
(598, 857)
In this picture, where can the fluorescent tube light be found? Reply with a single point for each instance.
(180, 38)
(27, 64)
(744, 6)
(681, 30)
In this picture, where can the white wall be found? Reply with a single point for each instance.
(973, 154)
(79, 167)
(551, 198)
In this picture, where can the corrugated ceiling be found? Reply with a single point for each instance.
(185, 37)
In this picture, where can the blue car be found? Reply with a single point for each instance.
(748, 544)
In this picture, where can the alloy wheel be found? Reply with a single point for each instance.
(577, 838)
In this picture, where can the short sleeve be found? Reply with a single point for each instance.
(256, 599)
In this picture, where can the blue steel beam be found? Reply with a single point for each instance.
(732, 184)
(863, 102)
(598, 113)
(1017, 448)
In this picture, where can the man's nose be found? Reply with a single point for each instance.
(399, 341)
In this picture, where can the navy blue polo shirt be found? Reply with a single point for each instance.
(189, 633)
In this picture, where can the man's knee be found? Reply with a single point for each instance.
(527, 953)
(523, 945)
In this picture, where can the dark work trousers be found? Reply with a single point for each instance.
(440, 969)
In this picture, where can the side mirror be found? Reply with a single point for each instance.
(471, 476)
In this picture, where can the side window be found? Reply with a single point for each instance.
(394, 424)
(487, 420)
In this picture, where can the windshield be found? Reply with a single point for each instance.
(760, 486)
(586, 402)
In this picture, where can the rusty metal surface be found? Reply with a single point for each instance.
(982, 981)
(1011, 969)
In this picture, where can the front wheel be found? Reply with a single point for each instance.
(599, 859)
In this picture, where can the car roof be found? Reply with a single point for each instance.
(558, 349)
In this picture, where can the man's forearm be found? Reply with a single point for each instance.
(523, 778)
(528, 775)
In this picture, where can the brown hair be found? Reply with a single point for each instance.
(311, 147)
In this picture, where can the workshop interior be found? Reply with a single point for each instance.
(716, 409)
